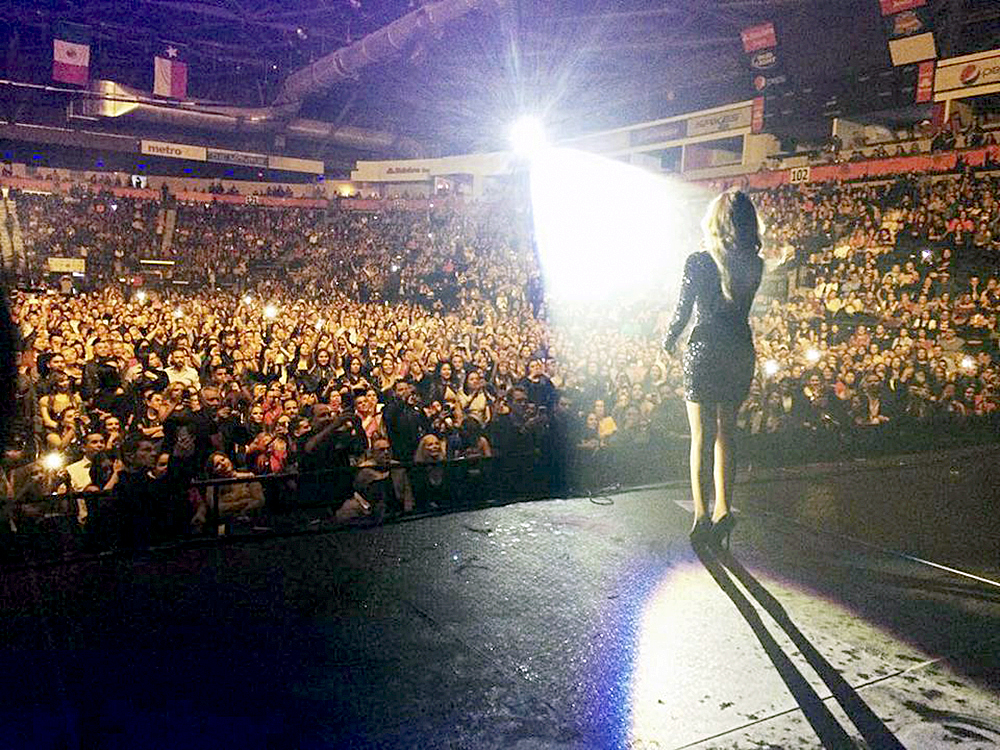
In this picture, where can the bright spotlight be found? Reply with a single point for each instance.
(247, 299)
(606, 230)
(527, 136)
(140, 296)
(270, 312)
(771, 368)
(813, 355)
(320, 323)
(178, 313)
(53, 461)
(968, 363)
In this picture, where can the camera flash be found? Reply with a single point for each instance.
(53, 461)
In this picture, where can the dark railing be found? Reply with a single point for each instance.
(50, 528)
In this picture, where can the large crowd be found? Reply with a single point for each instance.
(350, 342)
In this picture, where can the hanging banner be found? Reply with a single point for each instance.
(759, 37)
(898, 6)
(925, 82)
(912, 49)
(760, 43)
(907, 23)
(757, 115)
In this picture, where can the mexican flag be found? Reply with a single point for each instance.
(170, 74)
(71, 54)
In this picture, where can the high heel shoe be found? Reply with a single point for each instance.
(722, 530)
(701, 531)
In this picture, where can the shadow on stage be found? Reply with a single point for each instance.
(727, 570)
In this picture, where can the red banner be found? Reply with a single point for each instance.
(64, 186)
(857, 170)
(759, 37)
(251, 200)
(139, 193)
(757, 115)
(398, 204)
(897, 6)
(925, 82)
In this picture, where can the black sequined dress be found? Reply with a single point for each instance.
(719, 360)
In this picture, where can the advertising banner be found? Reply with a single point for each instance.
(665, 131)
(290, 164)
(759, 37)
(67, 265)
(239, 158)
(925, 82)
(907, 23)
(765, 60)
(760, 43)
(762, 83)
(967, 76)
(757, 115)
(912, 49)
(897, 6)
(719, 122)
(174, 150)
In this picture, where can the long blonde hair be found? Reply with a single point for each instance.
(732, 232)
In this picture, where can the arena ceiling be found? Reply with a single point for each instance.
(585, 65)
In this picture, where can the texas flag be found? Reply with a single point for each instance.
(71, 54)
(170, 75)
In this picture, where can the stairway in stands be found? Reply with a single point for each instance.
(169, 222)
(16, 236)
(6, 246)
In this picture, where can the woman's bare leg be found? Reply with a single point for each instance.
(724, 459)
(702, 419)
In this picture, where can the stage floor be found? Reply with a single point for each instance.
(578, 623)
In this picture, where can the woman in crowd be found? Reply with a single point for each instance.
(233, 500)
(445, 388)
(430, 489)
(720, 284)
(475, 400)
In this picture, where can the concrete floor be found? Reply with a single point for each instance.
(555, 624)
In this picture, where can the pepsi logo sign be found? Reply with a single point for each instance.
(970, 74)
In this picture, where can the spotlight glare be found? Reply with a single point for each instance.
(968, 363)
(178, 313)
(588, 209)
(270, 312)
(771, 367)
(813, 355)
(247, 299)
(140, 296)
(527, 136)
